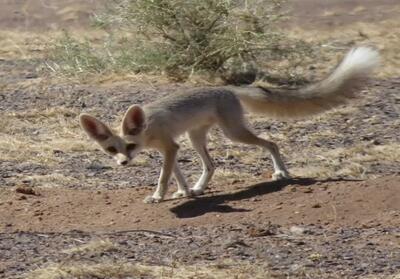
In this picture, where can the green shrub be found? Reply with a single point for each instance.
(182, 37)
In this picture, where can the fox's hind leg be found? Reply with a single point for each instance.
(183, 190)
(198, 137)
(235, 129)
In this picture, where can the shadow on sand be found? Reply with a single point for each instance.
(202, 205)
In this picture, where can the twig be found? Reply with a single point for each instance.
(140, 231)
(334, 213)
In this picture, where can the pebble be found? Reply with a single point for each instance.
(297, 230)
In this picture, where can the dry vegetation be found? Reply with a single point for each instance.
(93, 247)
(124, 269)
(32, 136)
(180, 39)
(115, 269)
(345, 162)
(129, 270)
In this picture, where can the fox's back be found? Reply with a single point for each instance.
(190, 109)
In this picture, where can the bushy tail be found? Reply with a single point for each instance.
(341, 85)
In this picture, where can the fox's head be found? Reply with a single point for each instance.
(123, 148)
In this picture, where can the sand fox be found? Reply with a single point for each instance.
(158, 124)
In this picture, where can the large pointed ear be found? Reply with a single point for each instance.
(96, 129)
(134, 121)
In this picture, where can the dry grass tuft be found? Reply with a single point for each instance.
(20, 45)
(93, 247)
(130, 270)
(34, 135)
(116, 270)
(51, 180)
(82, 270)
(227, 177)
(352, 162)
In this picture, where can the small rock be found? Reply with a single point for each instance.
(26, 190)
(317, 205)
(256, 232)
(308, 190)
(235, 243)
(230, 157)
(297, 230)
(38, 213)
(58, 152)
(31, 76)
(376, 142)
(347, 257)
(26, 181)
(315, 257)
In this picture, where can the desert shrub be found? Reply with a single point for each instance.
(70, 55)
(182, 37)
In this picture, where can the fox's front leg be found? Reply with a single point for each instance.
(165, 175)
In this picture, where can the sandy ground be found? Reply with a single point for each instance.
(330, 203)
(58, 191)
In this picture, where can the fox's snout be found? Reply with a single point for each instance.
(122, 159)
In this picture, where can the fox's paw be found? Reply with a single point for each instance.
(152, 199)
(180, 194)
(196, 192)
(280, 175)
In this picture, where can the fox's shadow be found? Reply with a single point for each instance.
(202, 205)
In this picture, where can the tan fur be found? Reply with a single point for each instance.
(157, 125)
(337, 89)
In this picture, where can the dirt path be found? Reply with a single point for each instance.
(303, 201)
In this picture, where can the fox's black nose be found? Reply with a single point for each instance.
(124, 163)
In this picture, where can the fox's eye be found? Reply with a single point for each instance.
(112, 149)
(131, 146)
